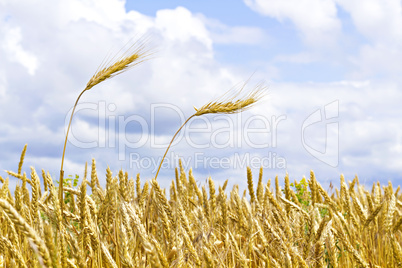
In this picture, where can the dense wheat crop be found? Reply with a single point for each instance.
(193, 224)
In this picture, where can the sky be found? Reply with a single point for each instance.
(331, 69)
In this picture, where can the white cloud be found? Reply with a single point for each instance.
(379, 20)
(107, 13)
(180, 24)
(316, 19)
(11, 44)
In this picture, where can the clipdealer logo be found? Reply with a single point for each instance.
(112, 132)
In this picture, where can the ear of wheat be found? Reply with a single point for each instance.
(233, 101)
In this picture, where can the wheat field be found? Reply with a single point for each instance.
(130, 223)
(75, 222)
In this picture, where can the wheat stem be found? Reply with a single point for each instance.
(170, 144)
(137, 51)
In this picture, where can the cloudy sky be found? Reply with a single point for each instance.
(331, 67)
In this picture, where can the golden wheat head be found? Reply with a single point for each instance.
(134, 55)
(233, 102)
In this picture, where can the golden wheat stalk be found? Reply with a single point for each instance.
(134, 55)
(24, 227)
(156, 231)
(231, 102)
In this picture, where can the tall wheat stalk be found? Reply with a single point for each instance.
(134, 55)
(231, 102)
